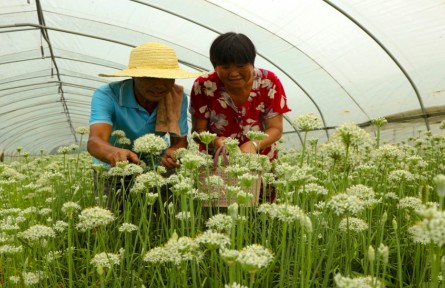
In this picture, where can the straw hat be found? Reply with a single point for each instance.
(153, 60)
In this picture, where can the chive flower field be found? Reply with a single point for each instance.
(351, 212)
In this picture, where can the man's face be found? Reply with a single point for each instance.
(152, 89)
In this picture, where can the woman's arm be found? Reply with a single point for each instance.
(273, 127)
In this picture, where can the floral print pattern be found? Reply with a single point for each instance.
(209, 100)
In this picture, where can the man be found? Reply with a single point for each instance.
(149, 102)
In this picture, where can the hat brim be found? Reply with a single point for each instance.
(155, 73)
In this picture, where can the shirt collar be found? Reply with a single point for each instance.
(126, 94)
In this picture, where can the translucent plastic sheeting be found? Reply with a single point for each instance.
(345, 61)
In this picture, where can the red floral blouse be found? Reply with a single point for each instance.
(210, 100)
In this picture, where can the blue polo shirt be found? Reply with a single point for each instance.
(115, 104)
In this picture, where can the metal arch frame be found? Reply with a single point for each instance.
(45, 35)
(390, 55)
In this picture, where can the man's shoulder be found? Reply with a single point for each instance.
(113, 89)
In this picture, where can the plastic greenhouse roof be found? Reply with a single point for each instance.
(343, 60)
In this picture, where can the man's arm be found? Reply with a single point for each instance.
(99, 147)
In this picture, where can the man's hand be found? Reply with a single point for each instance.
(120, 155)
(99, 147)
(169, 159)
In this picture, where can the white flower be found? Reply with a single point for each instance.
(353, 224)
(128, 227)
(118, 133)
(254, 257)
(344, 203)
(183, 215)
(69, 208)
(10, 249)
(60, 226)
(220, 223)
(37, 232)
(149, 143)
(213, 240)
(147, 181)
(411, 202)
(307, 122)
(430, 230)
(351, 135)
(210, 87)
(32, 278)
(234, 285)
(256, 135)
(82, 130)
(105, 260)
(124, 168)
(440, 184)
(94, 217)
(205, 136)
(123, 141)
(379, 121)
(175, 251)
(362, 282)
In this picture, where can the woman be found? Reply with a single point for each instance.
(237, 97)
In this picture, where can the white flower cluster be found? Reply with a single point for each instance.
(352, 224)
(256, 135)
(175, 251)
(193, 161)
(82, 130)
(286, 213)
(37, 232)
(147, 181)
(124, 168)
(118, 133)
(234, 285)
(365, 193)
(182, 187)
(32, 278)
(387, 153)
(213, 240)
(411, 202)
(313, 188)
(344, 203)
(183, 215)
(362, 282)
(149, 143)
(10, 249)
(254, 257)
(400, 176)
(431, 229)
(94, 217)
(220, 223)
(60, 226)
(69, 208)
(205, 136)
(351, 135)
(307, 122)
(106, 260)
(128, 227)
(379, 121)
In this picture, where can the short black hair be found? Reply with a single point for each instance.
(232, 48)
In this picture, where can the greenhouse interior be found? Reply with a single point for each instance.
(354, 198)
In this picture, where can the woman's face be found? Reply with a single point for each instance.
(235, 76)
(152, 89)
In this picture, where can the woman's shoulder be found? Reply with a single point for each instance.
(265, 74)
(210, 75)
